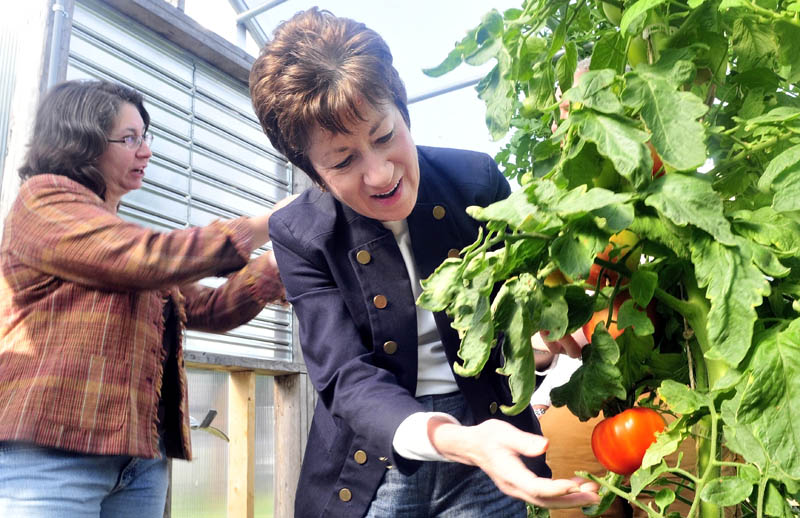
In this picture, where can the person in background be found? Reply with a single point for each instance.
(395, 431)
(92, 310)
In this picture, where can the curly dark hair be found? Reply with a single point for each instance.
(72, 124)
(315, 71)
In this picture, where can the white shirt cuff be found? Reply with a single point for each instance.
(411, 437)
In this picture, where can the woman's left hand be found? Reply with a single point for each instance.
(495, 446)
(571, 345)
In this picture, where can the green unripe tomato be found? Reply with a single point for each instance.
(612, 12)
(637, 51)
(608, 177)
(529, 109)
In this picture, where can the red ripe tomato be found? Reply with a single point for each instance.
(619, 442)
(602, 316)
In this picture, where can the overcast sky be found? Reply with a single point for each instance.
(420, 35)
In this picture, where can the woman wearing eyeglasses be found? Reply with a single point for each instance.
(92, 308)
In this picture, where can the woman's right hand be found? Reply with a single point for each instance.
(496, 446)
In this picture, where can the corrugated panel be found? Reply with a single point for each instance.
(210, 157)
(8, 62)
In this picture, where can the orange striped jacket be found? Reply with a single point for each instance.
(82, 295)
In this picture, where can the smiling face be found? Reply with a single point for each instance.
(123, 168)
(374, 169)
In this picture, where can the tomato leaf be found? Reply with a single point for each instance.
(609, 52)
(687, 199)
(753, 43)
(593, 92)
(631, 316)
(518, 318)
(595, 381)
(636, 10)
(735, 286)
(671, 115)
(726, 491)
(441, 287)
(782, 177)
(682, 399)
(643, 285)
(760, 419)
(619, 141)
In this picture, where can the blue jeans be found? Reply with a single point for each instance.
(443, 489)
(38, 482)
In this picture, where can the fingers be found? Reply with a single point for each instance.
(571, 345)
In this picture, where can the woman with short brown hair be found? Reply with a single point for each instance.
(395, 431)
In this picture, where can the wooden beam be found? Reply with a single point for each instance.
(289, 434)
(242, 447)
(228, 362)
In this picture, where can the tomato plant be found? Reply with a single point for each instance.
(716, 101)
(619, 442)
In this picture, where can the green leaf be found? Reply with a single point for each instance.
(593, 92)
(767, 227)
(631, 316)
(782, 178)
(489, 38)
(689, 199)
(726, 491)
(632, 12)
(595, 381)
(440, 288)
(664, 498)
(517, 350)
(571, 256)
(788, 39)
(471, 314)
(754, 44)
(580, 201)
(566, 65)
(735, 286)
(671, 115)
(456, 56)
(763, 413)
(517, 212)
(622, 143)
(683, 400)
(643, 285)
(667, 443)
(609, 52)
(498, 94)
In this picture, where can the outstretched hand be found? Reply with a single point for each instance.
(496, 446)
(571, 345)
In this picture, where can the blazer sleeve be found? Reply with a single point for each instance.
(235, 302)
(59, 227)
(367, 398)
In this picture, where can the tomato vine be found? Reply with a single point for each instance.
(715, 100)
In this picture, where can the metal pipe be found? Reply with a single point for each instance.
(444, 90)
(246, 15)
(253, 27)
(59, 15)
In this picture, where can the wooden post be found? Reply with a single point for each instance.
(289, 435)
(241, 450)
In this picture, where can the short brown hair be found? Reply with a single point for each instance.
(313, 72)
(71, 130)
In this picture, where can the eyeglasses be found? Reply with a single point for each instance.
(134, 141)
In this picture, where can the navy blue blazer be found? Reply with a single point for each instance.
(362, 358)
